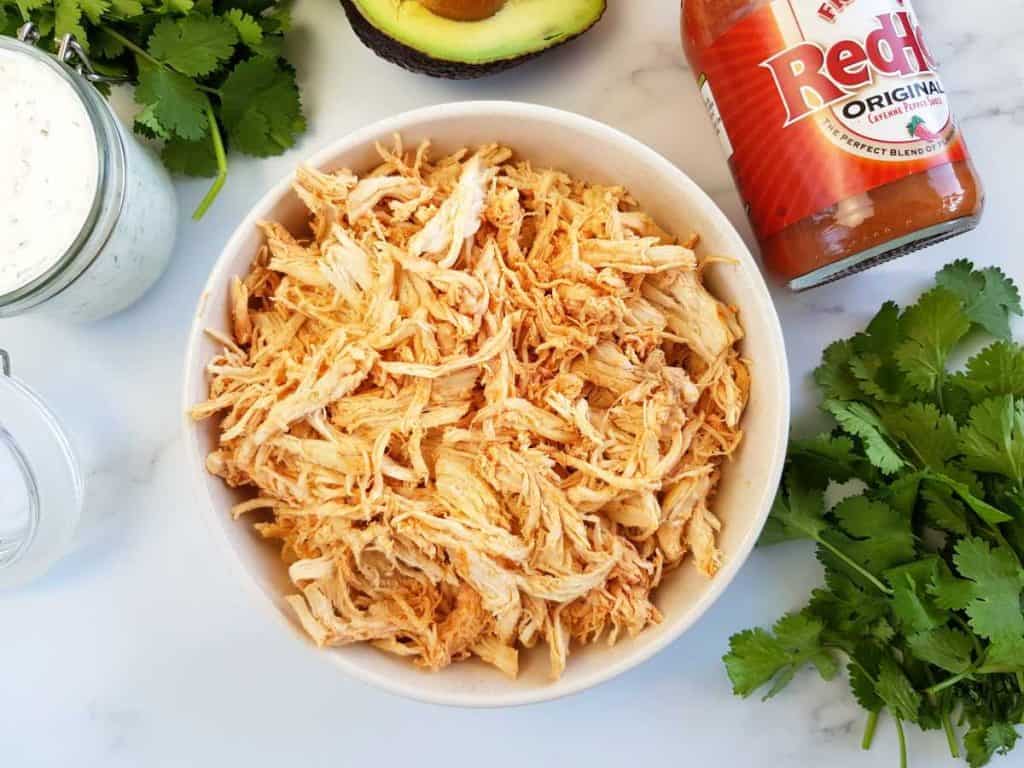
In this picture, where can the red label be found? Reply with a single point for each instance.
(819, 101)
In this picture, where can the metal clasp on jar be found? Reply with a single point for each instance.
(70, 53)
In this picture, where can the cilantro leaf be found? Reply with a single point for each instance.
(249, 30)
(834, 375)
(757, 657)
(192, 158)
(895, 690)
(147, 124)
(873, 363)
(990, 590)
(863, 671)
(960, 278)
(931, 435)
(993, 441)
(261, 108)
(943, 510)
(879, 379)
(944, 647)
(995, 371)
(193, 45)
(270, 47)
(980, 507)
(177, 104)
(67, 19)
(933, 327)
(860, 421)
(902, 494)
(882, 335)
(847, 607)
(797, 512)
(989, 297)
(827, 456)
(104, 45)
(985, 741)
(125, 9)
(25, 7)
(872, 533)
(94, 9)
(956, 397)
(1005, 654)
(913, 607)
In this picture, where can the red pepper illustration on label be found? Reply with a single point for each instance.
(918, 129)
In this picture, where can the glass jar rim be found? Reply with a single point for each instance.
(49, 465)
(97, 227)
(9, 555)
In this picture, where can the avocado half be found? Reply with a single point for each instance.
(412, 36)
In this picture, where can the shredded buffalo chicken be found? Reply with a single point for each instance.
(483, 406)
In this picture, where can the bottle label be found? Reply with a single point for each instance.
(819, 101)
(716, 116)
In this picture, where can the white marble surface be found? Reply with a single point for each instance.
(141, 650)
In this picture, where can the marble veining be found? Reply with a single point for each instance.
(144, 650)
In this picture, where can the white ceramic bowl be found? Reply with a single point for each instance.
(589, 150)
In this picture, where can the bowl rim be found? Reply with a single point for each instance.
(764, 309)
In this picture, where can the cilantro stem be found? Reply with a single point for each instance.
(869, 731)
(947, 726)
(133, 47)
(222, 164)
(949, 682)
(903, 743)
(856, 567)
(1020, 681)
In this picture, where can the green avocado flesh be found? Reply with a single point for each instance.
(521, 28)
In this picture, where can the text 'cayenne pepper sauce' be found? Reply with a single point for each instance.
(837, 128)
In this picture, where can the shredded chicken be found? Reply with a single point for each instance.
(481, 405)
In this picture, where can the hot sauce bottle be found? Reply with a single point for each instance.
(837, 127)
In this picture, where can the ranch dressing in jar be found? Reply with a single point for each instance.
(87, 215)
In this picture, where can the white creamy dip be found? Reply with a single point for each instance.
(81, 200)
(50, 169)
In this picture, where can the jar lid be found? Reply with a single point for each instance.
(41, 484)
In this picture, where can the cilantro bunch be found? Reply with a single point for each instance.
(916, 504)
(208, 74)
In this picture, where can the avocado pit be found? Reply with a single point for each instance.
(464, 10)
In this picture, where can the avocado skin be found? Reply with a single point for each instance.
(416, 61)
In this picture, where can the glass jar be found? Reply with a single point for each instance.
(41, 487)
(837, 128)
(90, 214)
